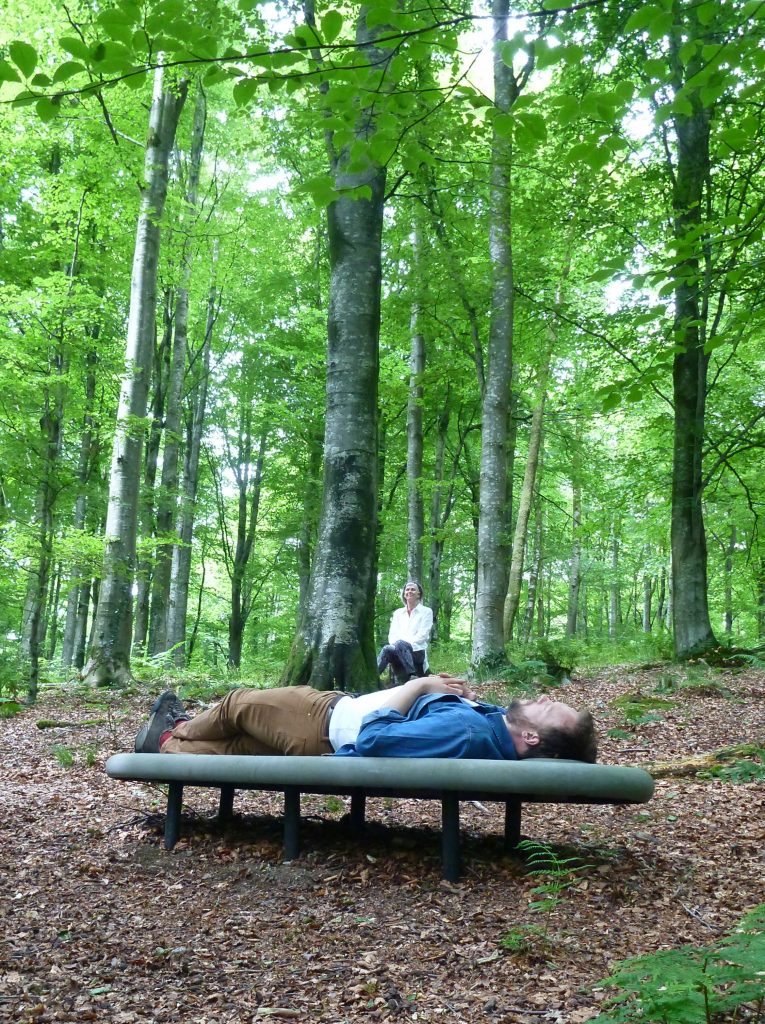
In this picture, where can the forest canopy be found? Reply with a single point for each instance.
(302, 301)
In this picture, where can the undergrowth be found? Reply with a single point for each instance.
(694, 984)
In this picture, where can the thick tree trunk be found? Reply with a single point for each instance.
(334, 645)
(493, 546)
(415, 510)
(692, 628)
(168, 490)
(109, 660)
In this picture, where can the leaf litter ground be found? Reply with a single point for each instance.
(100, 923)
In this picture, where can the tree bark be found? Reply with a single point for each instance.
(181, 568)
(512, 599)
(415, 509)
(693, 634)
(493, 547)
(168, 489)
(334, 645)
(109, 660)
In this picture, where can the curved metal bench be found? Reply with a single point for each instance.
(536, 780)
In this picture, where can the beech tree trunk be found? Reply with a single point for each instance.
(334, 645)
(693, 634)
(493, 546)
(415, 509)
(146, 512)
(109, 660)
(575, 565)
(513, 596)
(180, 573)
(78, 579)
(168, 489)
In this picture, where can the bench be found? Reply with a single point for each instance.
(535, 780)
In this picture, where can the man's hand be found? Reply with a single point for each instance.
(444, 683)
(402, 697)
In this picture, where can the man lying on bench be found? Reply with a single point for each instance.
(436, 716)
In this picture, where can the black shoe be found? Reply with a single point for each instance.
(165, 712)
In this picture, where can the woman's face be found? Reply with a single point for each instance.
(411, 595)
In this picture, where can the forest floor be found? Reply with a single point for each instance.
(99, 923)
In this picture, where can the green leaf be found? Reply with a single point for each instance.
(66, 70)
(503, 125)
(41, 81)
(642, 18)
(76, 47)
(534, 125)
(735, 138)
(706, 12)
(47, 109)
(24, 99)
(661, 26)
(7, 73)
(611, 401)
(23, 56)
(331, 24)
(244, 90)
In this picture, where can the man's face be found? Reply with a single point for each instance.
(411, 595)
(540, 712)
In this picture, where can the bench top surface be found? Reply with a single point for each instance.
(538, 779)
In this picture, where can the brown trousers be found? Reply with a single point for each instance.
(287, 720)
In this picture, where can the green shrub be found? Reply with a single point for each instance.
(63, 755)
(9, 708)
(693, 985)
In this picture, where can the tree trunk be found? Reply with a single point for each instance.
(575, 565)
(693, 634)
(109, 660)
(512, 600)
(647, 597)
(493, 547)
(148, 526)
(415, 510)
(309, 518)
(78, 579)
(730, 551)
(168, 490)
(250, 489)
(614, 593)
(334, 645)
(534, 575)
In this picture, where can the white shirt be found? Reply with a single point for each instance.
(413, 627)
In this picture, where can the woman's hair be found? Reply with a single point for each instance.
(412, 583)
(577, 744)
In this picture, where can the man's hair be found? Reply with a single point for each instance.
(412, 583)
(577, 744)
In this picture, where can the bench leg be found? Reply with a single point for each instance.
(226, 805)
(358, 809)
(450, 837)
(512, 825)
(291, 822)
(173, 814)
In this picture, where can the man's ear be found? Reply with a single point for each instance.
(529, 737)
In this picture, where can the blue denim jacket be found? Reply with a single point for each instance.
(436, 725)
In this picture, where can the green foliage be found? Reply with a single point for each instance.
(559, 874)
(744, 763)
(9, 708)
(693, 985)
(696, 680)
(638, 707)
(63, 755)
(524, 939)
